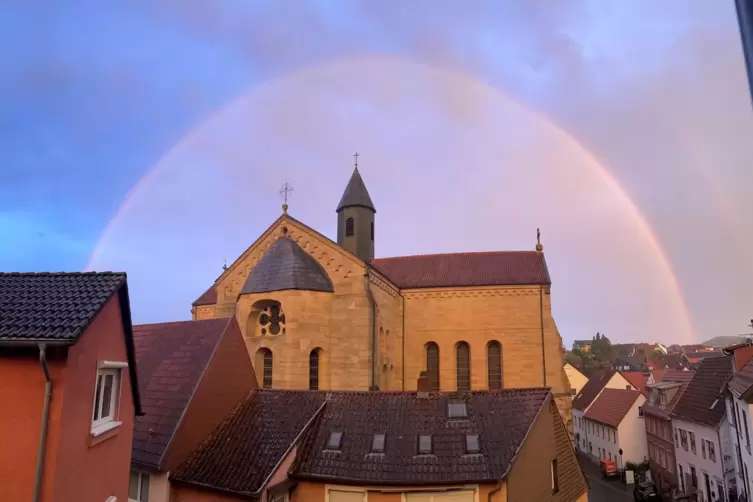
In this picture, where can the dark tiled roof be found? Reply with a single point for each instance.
(703, 390)
(208, 298)
(673, 361)
(286, 265)
(681, 376)
(356, 194)
(611, 406)
(591, 389)
(500, 418)
(499, 268)
(53, 306)
(244, 450)
(171, 358)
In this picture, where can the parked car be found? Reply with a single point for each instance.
(646, 491)
(608, 468)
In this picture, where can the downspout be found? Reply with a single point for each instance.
(45, 414)
(401, 296)
(372, 304)
(543, 345)
(494, 492)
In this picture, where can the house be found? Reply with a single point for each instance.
(638, 380)
(582, 345)
(614, 426)
(701, 433)
(662, 397)
(676, 361)
(192, 375)
(629, 363)
(575, 377)
(69, 387)
(587, 395)
(738, 398)
(342, 446)
(694, 359)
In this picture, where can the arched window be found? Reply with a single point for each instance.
(463, 368)
(271, 320)
(494, 365)
(432, 365)
(350, 226)
(263, 367)
(314, 369)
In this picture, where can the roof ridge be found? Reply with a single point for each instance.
(56, 274)
(187, 321)
(459, 253)
(507, 390)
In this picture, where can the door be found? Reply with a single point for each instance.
(452, 496)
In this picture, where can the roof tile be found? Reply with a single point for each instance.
(591, 389)
(171, 358)
(209, 297)
(703, 391)
(53, 306)
(611, 406)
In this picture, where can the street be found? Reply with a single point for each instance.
(603, 490)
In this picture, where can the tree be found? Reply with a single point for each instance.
(575, 359)
(602, 351)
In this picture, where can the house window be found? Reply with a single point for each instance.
(703, 448)
(424, 445)
(692, 442)
(457, 410)
(335, 440)
(349, 227)
(472, 443)
(314, 370)
(138, 487)
(463, 352)
(494, 364)
(263, 367)
(377, 443)
(432, 365)
(684, 439)
(681, 476)
(106, 397)
(712, 451)
(555, 477)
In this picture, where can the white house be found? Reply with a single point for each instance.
(738, 398)
(576, 379)
(585, 398)
(701, 433)
(614, 422)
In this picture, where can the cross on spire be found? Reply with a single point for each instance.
(285, 192)
(355, 156)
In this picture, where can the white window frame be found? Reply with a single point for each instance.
(140, 475)
(103, 424)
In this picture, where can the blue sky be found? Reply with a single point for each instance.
(94, 95)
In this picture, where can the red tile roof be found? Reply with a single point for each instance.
(208, 298)
(611, 406)
(171, 358)
(658, 373)
(703, 391)
(672, 375)
(499, 268)
(637, 379)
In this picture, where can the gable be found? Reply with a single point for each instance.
(339, 264)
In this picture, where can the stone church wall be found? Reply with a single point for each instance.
(389, 334)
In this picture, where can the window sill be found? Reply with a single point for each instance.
(105, 427)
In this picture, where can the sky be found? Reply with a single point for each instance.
(154, 136)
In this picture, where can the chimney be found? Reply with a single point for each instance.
(423, 382)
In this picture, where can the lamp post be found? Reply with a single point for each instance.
(621, 464)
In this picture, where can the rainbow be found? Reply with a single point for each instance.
(685, 333)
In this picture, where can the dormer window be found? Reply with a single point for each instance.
(457, 410)
(424, 445)
(377, 443)
(335, 440)
(472, 444)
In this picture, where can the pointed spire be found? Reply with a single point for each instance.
(356, 193)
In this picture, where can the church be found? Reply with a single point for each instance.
(320, 314)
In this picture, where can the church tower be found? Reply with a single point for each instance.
(355, 218)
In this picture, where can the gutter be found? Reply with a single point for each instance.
(45, 416)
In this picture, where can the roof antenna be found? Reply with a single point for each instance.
(539, 247)
(224, 264)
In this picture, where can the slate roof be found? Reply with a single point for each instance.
(670, 379)
(703, 391)
(245, 449)
(611, 406)
(500, 418)
(53, 306)
(284, 266)
(171, 358)
(591, 389)
(356, 193)
(498, 268)
(681, 376)
(209, 297)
